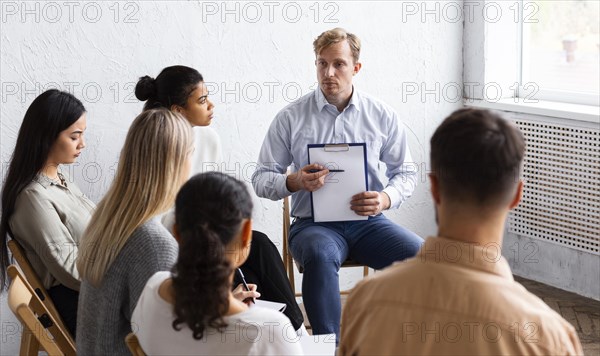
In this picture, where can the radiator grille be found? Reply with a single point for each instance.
(561, 198)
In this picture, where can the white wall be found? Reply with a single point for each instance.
(255, 66)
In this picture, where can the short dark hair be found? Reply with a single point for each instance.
(209, 211)
(172, 86)
(50, 113)
(476, 157)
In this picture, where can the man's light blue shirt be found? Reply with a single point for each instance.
(312, 120)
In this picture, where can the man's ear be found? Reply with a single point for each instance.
(246, 233)
(176, 234)
(435, 188)
(518, 195)
(357, 67)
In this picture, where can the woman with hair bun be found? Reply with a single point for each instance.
(192, 310)
(182, 89)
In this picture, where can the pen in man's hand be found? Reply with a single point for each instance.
(245, 286)
(330, 171)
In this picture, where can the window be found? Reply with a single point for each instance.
(560, 51)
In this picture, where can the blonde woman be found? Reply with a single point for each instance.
(125, 243)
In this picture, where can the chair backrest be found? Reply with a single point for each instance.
(35, 317)
(134, 345)
(34, 281)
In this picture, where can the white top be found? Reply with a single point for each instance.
(207, 157)
(256, 331)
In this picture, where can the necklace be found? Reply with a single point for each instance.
(60, 179)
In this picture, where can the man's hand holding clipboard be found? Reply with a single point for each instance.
(370, 203)
(312, 177)
(336, 176)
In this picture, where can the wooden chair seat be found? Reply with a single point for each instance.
(348, 263)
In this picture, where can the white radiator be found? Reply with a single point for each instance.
(561, 200)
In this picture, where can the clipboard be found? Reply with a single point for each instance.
(332, 201)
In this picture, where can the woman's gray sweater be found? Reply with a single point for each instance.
(104, 313)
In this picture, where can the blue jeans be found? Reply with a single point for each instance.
(320, 248)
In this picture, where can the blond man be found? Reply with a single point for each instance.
(337, 113)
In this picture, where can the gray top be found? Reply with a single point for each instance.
(48, 222)
(104, 313)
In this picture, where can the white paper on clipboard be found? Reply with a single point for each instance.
(332, 201)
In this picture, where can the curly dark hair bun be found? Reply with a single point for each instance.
(145, 88)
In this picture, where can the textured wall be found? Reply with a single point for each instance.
(256, 57)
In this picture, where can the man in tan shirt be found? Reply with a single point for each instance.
(458, 296)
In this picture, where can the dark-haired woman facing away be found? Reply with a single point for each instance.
(192, 310)
(41, 208)
(182, 89)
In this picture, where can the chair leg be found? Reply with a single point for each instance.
(292, 278)
(288, 261)
(30, 346)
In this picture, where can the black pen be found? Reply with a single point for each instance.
(330, 171)
(245, 285)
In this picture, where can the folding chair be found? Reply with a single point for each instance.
(134, 345)
(34, 281)
(288, 260)
(40, 329)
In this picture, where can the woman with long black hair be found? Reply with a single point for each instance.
(42, 209)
